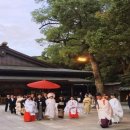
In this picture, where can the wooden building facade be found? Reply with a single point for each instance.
(18, 69)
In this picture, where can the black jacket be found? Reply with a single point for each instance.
(41, 102)
(61, 104)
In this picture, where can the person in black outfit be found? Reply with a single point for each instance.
(61, 105)
(128, 100)
(44, 98)
(7, 101)
(12, 104)
(40, 106)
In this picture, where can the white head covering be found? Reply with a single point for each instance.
(51, 95)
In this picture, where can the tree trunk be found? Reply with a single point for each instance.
(97, 75)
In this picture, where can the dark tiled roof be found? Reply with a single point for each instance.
(8, 50)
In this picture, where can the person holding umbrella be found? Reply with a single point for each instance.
(40, 106)
(50, 102)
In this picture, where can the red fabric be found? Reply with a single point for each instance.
(43, 84)
(73, 115)
(76, 115)
(27, 117)
(33, 117)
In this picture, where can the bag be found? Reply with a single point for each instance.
(104, 123)
(27, 117)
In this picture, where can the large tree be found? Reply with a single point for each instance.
(113, 36)
(67, 22)
(99, 29)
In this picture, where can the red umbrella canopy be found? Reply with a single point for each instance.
(43, 84)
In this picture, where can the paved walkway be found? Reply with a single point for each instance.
(10, 121)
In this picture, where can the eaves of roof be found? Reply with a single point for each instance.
(40, 69)
(29, 79)
(124, 89)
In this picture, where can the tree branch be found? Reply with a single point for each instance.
(49, 23)
(60, 40)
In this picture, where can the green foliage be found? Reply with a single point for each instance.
(63, 56)
(66, 20)
(111, 41)
(100, 27)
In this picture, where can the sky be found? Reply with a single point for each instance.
(17, 27)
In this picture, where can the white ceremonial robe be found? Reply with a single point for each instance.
(117, 110)
(30, 107)
(104, 109)
(50, 111)
(18, 105)
(71, 104)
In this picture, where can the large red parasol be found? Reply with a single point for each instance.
(43, 84)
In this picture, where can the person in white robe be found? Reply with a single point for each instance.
(117, 109)
(104, 109)
(18, 105)
(72, 108)
(50, 111)
(30, 106)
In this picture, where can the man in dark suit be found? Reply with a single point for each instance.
(40, 106)
(44, 98)
(7, 102)
(12, 104)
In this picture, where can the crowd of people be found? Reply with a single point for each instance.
(46, 106)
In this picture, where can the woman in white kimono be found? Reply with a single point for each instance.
(117, 109)
(50, 111)
(72, 108)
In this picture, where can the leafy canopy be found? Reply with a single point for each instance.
(100, 27)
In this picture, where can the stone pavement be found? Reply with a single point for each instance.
(10, 121)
